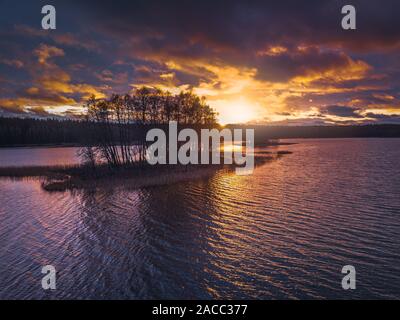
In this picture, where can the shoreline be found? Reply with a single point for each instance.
(62, 178)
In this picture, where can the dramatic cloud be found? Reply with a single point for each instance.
(384, 118)
(342, 111)
(257, 61)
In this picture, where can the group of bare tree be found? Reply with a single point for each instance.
(152, 106)
(119, 122)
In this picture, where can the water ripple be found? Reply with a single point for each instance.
(284, 232)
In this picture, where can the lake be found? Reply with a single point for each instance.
(284, 232)
(38, 156)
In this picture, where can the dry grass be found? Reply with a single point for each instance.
(61, 178)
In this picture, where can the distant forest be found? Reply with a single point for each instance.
(29, 131)
(348, 131)
(123, 119)
(119, 119)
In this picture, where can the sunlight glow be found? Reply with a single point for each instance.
(239, 111)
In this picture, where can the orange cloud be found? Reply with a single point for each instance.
(44, 52)
(13, 63)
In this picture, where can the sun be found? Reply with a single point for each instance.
(235, 111)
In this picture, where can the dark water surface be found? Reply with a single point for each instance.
(284, 232)
(38, 156)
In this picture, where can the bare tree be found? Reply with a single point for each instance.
(118, 116)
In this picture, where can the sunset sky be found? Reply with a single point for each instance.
(272, 62)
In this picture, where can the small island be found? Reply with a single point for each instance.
(113, 146)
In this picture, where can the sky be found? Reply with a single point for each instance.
(268, 62)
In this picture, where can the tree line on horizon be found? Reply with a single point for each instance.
(146, 107)
(57, 131)
(37, 131)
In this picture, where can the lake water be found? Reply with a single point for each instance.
(20, 157)
(284, 232)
